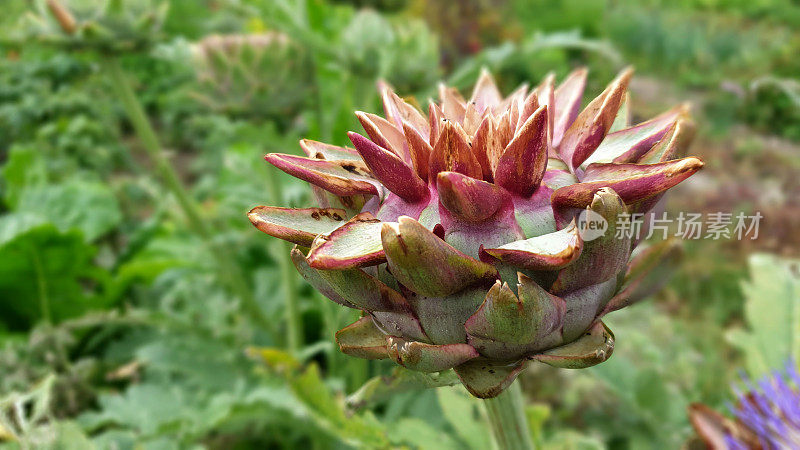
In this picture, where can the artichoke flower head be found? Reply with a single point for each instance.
(457, 234)
(225, 64)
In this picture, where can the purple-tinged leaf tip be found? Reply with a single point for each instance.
(389, 169)
(469, 199)
(342, 178)
(522, 165)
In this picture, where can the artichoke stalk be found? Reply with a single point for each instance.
(458, 234)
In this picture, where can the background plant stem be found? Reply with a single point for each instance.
(230, 272)
(508, 421)
(288, 277)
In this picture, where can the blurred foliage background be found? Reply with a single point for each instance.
(123, 324)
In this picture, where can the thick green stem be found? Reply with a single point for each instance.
(294, 324)
(508, 421)
(229, 270)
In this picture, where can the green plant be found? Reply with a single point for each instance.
(119, 329)
(488, 196)
(774, 104)
(229, 70)
(105, 25)
(772, 314)
(442, 208)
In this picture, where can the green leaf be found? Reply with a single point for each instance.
(381, 388)
(70, 436)
(86, 205)
(146, 407)
(573, 440)
(537, 415)
(201, 360)
(25, 166)
(464, 414)
(653, 395)
(329, 413)
(772, 313)
(43, 272)
(419, 434)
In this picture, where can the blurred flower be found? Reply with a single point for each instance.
(251, 75)
(766, 416)
(405, 53)
(457, 234)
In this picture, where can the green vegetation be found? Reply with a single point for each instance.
(140, 309)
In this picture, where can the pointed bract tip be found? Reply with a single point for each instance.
(626, 74)
(602, 193)
(689, 164)
(581, 72)
(390, 227)
(406, 220)
(353, 136)
(438, 230)
(603, 196)
(383, 86)
(484, 256)
(695, 162)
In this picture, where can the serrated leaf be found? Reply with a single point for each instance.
(88, 206)
(772, 313)
(363, 431)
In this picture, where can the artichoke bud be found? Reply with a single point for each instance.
(406, 53)
(471, 251)
(228, 71)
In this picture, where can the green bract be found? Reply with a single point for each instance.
(456, 234)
